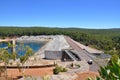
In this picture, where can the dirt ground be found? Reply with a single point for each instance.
(85, 75)
(14, 73)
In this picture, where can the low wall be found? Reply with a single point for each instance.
(32, 66)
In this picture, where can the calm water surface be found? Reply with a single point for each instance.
(20, 46)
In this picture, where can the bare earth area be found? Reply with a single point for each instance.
(85, 75)
(14, 73)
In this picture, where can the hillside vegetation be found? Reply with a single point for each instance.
(107, 40)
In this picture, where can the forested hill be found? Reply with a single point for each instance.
(103, 39)
(32, 31)
(114, 32)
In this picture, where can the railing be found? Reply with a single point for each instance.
(32, 66)
(71, 55)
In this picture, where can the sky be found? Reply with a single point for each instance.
(92, 14)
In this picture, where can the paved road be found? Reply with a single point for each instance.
(84, 55)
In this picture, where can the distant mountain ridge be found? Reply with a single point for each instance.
(58, 27)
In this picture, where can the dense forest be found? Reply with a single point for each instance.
(107, 40)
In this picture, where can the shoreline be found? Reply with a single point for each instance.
(4, 40)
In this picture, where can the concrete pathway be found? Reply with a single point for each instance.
(84, 55)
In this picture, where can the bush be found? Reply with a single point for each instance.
(109, 72)
(59, 69)
(56, 71)
(78, 65)
(2, 70)
(64, 70)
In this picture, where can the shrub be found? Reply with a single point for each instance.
(110, 72)
(56, 71)
(78, 65)
(59, 69)
(64, 70)
(1, 70)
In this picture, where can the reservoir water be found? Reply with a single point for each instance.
(20, 46)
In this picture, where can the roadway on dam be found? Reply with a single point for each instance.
(83, 54)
